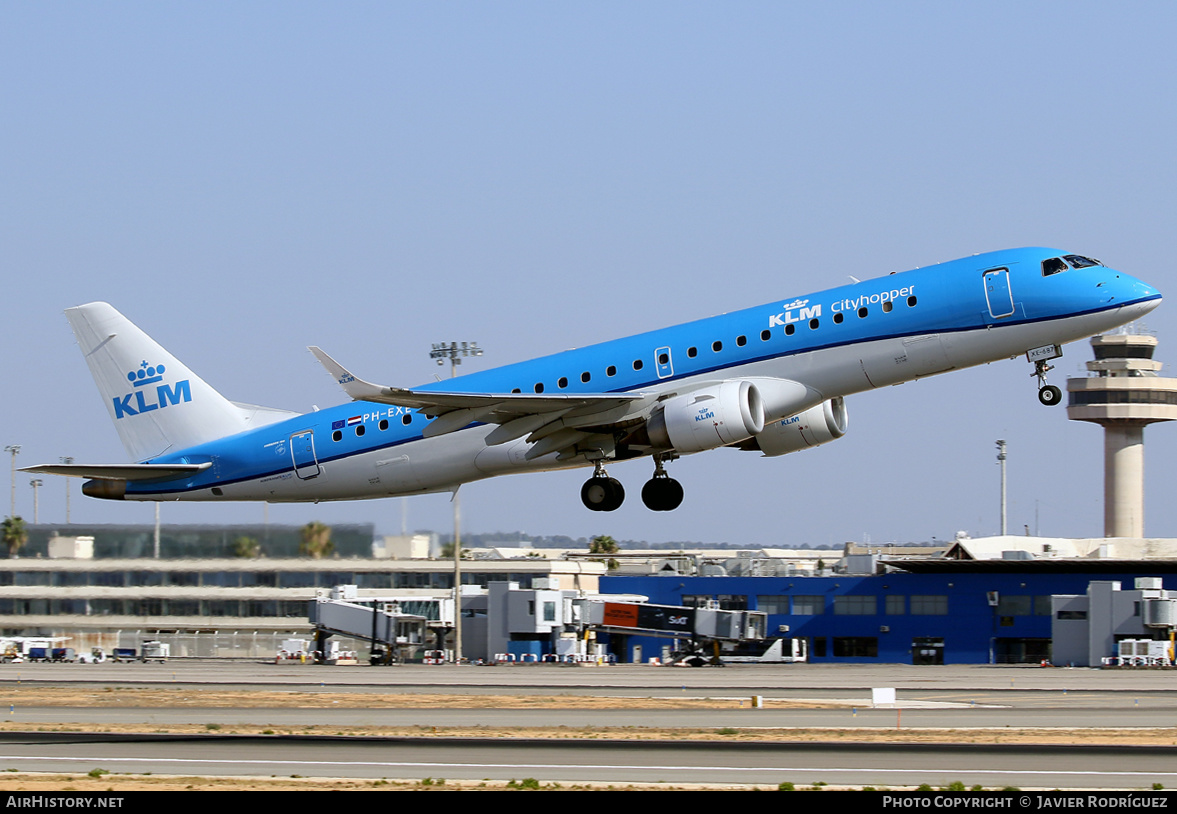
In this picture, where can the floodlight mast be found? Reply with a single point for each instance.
(67, 460)
(36, 484)
(15, 450)
(1001, 461)
(455, 351)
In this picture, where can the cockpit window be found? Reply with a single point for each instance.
(1078, 261)
(1053, 266)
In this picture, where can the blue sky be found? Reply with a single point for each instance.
(246, 179)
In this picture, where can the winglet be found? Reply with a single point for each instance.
(357, 389)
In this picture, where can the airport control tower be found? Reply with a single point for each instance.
(1123, 393)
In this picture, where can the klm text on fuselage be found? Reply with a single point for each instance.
(801, 310)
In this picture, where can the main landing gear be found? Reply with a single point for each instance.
(1048, 394)
(661, 493)
(602, 493)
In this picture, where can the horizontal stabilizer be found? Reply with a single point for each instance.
(124, 472)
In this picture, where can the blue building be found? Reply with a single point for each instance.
(931, 612)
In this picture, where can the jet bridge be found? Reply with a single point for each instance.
(677, 621)
(395, 636)
(697, 626)
(526, 624)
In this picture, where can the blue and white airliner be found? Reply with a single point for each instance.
(771, 379)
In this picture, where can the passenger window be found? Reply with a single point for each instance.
(741, 340)
(359, 430)
(789, 329)
(717, 346)
(611, 370)
(887, 306)
(562, 382)
(765, 335)
(584, 377)
(911, 301)
(337, 436)
(862, 312)
(813, 323)
(407, 419)
(692, 352)
(383, 424)
(838, 318)
(539, 387)
(637, 364)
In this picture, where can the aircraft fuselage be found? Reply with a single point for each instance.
(837, 342)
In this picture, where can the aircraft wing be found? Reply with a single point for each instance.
(518, 414)
(124, 472)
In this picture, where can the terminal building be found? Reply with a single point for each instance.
(969, 601)
(228, 607)
(932, 611)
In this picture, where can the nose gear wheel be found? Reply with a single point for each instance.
(1048, 394)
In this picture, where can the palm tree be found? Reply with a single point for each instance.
(247, 547)
(604, 544)
(447, 551)
(16, 534)
(316, 541)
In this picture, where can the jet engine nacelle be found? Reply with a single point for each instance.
(814, 427)
(708, 418)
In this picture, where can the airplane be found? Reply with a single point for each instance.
(771, 379)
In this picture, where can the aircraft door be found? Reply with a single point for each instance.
(302, 452)
(998, 294)
(665, 365)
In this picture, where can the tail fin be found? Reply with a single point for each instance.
(157, 404)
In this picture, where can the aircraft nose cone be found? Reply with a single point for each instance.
(1138, 295)
(1139, 288)
(1143, 291)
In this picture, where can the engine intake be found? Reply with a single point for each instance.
(812, 428)
(708, 418)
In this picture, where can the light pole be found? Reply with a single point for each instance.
(1001, 461)
(15, 450)
(36, 484)
(67, 460)
(455, 351)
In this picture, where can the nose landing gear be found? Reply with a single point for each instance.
(1048, 394)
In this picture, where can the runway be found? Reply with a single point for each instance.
(954, 717)
(928, 698)
(601, 762)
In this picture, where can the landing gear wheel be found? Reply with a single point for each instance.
(1050, 395)
(662, 494)
(602, 494)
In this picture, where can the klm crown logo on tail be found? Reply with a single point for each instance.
(137, 402)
